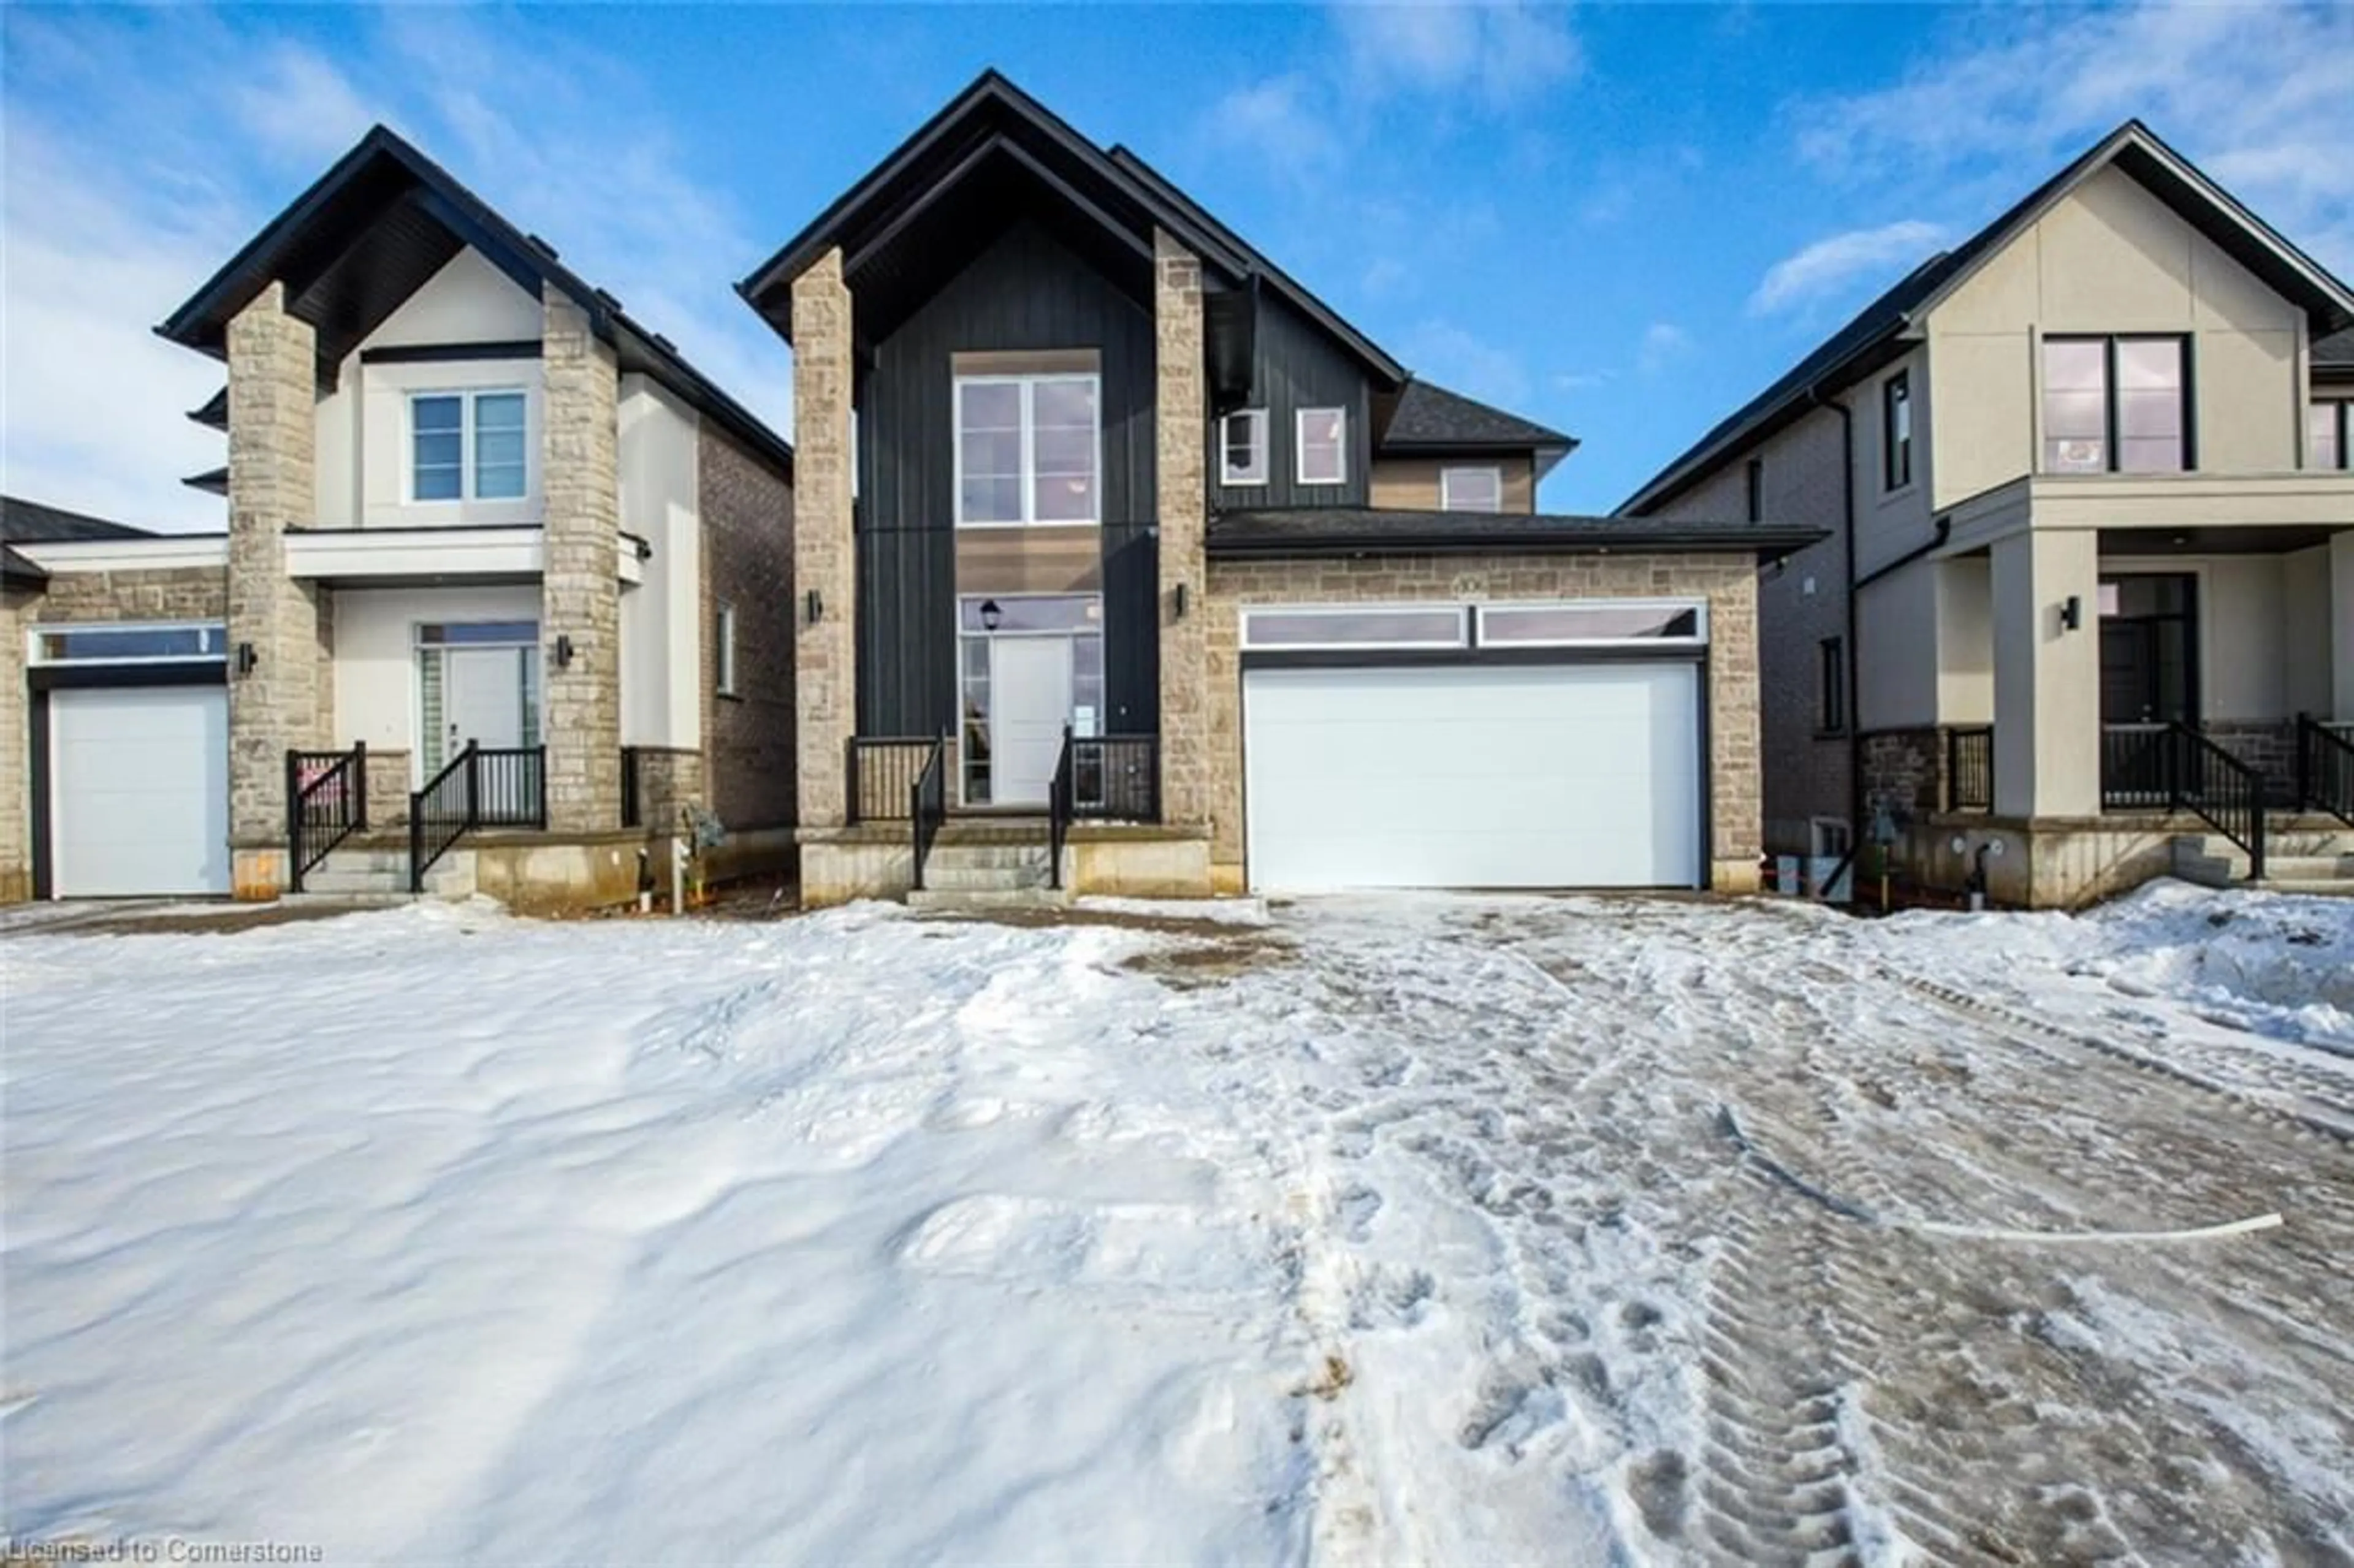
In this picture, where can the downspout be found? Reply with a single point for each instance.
(1847, 541)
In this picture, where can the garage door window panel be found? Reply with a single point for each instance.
(1307, 628)
(1611, 625)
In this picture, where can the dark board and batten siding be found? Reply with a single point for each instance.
(1298, 366)
(1024, 293)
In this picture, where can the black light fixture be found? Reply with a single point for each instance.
(813, 606)
(246, 659)
(563, 650)
(1177, 603)
(2072, 613)
(990, 615)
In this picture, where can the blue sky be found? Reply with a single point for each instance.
(1620, 220)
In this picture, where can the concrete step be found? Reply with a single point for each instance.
(2311, 887)
(953, 900)
(984, 878)
(377, 872)
(985, 856)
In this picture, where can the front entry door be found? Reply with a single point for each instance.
(485, 698)
(2149, 649)
(1030, 682)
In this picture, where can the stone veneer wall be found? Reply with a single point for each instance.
(1182, 420)
(2268, 745)
(668, 780)
(826, 653)
(16, 748)
(748, 562)
(1728, 582)
(580, 716)
(287, 698)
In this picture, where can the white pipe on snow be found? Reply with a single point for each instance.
(2203, 1233)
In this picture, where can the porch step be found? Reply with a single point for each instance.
(1041, 898)
(2217, 862)
(375, 872)
(2339, 887)
(993, 872)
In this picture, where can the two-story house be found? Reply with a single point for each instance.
(493, 544)
(2087, 603)
(1120, 552)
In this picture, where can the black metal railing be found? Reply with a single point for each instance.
(928, 806)
(1059, 803)
(633, 807)
(1970, 770)
(501, 787)
(2174, 767)
(881, 770)
(1115, 778)
(2325, 768)
(326, 802)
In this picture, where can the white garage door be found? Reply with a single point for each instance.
(1473, 776)
(139, 790)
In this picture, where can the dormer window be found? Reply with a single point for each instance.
(1242, 445)
(1471, 489)
(468, 446)
(1323, 446)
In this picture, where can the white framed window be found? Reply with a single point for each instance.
(1027, 451)
(120, 644)
(1242, 448)
(1294, 628)
(1321, 446)
(469, 446)
(1471, 490)
(723, 657)
(1594, 623)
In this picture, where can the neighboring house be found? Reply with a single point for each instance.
(2092, 544)
(471, 501)
(1076, 459)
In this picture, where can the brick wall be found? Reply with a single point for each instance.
(1904, 772)
(748, 562)
(1728, 582)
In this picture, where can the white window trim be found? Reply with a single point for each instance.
(466, 458)
(1299, 447)
(1460, 613)
(722, 659)
(1261, 470)
(1699, 637)
(1029, 518)
(1490, 470)
(34, 634)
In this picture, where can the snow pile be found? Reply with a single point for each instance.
(2270, 964)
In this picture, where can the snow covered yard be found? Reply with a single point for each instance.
(1417, 1229)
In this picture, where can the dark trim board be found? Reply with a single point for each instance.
(37, 724)
(450, 353)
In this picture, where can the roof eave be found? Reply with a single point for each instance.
(1764, 543)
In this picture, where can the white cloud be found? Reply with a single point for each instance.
(1501, 51)
(1663, 343)
(1465, 362)
(140, 153)
(1828, 267)
(2261, 95)
(1282, 122)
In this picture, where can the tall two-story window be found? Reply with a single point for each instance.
(1896, 431)
(1026, 451)
(2116, 405)
(1242, 447)
(2329, 434)
(467, 446)
(1323, 446)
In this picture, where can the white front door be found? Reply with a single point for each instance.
(484, 702)
(1030, 691)
(139, 790)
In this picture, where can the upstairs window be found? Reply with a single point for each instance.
(1472, 490)
(2116, 405)
(2329, 426)
(1026, 451)
(1830, 685)
(1242, 443)
(1755, 478)
(1323, 446)
(723, 659)
(468, 446)
(1896, 431)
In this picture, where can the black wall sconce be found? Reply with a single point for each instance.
(991, 614)
(246, 659)
(2072, 613)
(1177, 603)
(813, 606)
(563, 651)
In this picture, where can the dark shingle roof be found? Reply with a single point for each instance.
(214, 411)
(213, 480)
(1362, 530)
(1873, 337)
(2334, 355)
(29, 522)
(1430, 418)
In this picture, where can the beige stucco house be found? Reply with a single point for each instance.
(490, 541)
(2090, 585)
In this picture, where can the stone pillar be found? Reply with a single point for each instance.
(826, 650)
(286, 700)
(1181, 436)
(580, 586)
(16, 748)
(2047, 678)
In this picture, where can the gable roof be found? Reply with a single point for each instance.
(31, 523)
(2333, 356)
(1879, 332)
(1430, 418)
(994, 153)
(370, 232)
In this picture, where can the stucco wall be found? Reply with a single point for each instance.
(747, 549)
(1728, 582)
(661, 616)
(2111, 259)
(376, 658)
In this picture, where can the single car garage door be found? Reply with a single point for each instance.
(1471, 775)
(138, 790)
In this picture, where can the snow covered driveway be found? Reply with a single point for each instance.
(1451, 1231)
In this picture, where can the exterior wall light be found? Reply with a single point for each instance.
(563, 651)
(813, 606)
(990, 615)
(246, 659)
(1177, 603)
(2072, 613)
